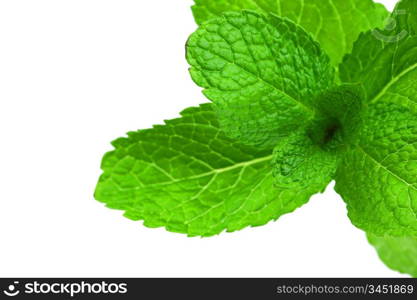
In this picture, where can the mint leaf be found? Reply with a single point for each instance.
(399, 253)
(404, 19)
(336, 24)
(262, 74)
(189, 177)
(299, 163)
(377, 175)
(380, 67)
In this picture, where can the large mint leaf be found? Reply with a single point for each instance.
(336, 24)
(189, 177)
(261, 73)
(399, 253)
(378, 175)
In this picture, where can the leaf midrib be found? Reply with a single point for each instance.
(393, 80)
(386, 168)
(243, 165)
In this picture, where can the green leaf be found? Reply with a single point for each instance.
(300, 163)
(336, 24)
(404, 19)
(379, 67)
(261, 74)
(189, 177)
(377, 177)
(376, 49)
(399, 253)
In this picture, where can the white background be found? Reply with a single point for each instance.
(74, 75)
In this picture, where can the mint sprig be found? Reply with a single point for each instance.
(285, 119)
